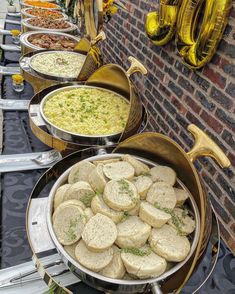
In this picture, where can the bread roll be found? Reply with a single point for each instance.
(140, 167)
(120, 195)
(163, 174)
(115, 269)
(98, 206)
(70, 249)
(106, 161)
(167, 243)
(153, 216)
(161, 195)
(99, 233)
(68, 224)
(145, 266)
(80, 191)
(80, 172)
(181, 196)
(119, 170)
(59, 195)
(97, 179)
(186, 225)
(132, 232)
(88, 213)
(94, 261)
(142, 183)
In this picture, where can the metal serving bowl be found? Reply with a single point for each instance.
(27, 47)
(28, 27)
(24, 5)
(25, 14)
(119, 285)
(82, 139)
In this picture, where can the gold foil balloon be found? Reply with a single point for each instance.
(196, 40)
(196, 51)
(160, 26)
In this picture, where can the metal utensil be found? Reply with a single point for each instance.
(5, 32)
(6, 70)
(47, 158)
(14, 104)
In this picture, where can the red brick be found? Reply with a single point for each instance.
(157, 60)
(212, 122)
(192, 104)
(215, 77)
(232, 158)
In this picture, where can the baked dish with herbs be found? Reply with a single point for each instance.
(44, 13)
(58, 64)
(87, 111)
(48, 23)
(123, 219)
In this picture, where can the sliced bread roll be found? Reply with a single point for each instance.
(182, 222)
(80, 172)
(142, 183)
(68, 224)
(132, 232)
(80, 191)
(94, 261)
(167, 243)
(135, 210)
(181, 196)
(106, 161)
(69, 202)
(140, 167)
(143, 263)
(119, 170)
(161, 195)
(70, 249)
(115, 269)
(100, 233)
(153, 216)
(121, 195)
(97, 179)
(59, 195)
(98, 206)
(163, 174)
(88, 213)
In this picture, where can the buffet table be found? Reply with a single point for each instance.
(17, 186)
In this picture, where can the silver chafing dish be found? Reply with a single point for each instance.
(26, 26)
(25, 14)
(25, 5)
(27, 47)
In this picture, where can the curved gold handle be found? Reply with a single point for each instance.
(100, 37)
(205, 146)
(136, 66)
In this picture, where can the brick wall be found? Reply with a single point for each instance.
(177, 96)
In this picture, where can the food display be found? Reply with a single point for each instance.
(58, 63)
(86, 110)
(44, 13)
(52, 41)
(49, 23)
(42, 4)
(122, 216)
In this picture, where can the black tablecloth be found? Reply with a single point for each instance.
(17, 186)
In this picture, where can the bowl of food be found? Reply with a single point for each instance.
(32, 12)
(122, 222)
(41, 4)
(44, 24)
(33, 41)
(85, 114)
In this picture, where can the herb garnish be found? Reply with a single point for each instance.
(137, 251)
(71, 230)
(86, 199)
(176, 220)
(125, 188)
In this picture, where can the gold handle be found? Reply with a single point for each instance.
(205, 146)
(136, 66)
(100, 37)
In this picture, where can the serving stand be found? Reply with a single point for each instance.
(111, 77)
(37, 231)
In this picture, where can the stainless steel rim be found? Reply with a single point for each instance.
(24, 38)
(51, 1)
(74, 87)
(25, 23)
(60, 248)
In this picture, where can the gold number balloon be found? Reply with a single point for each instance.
(197, 51)
(196, 42)
(160, 26)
